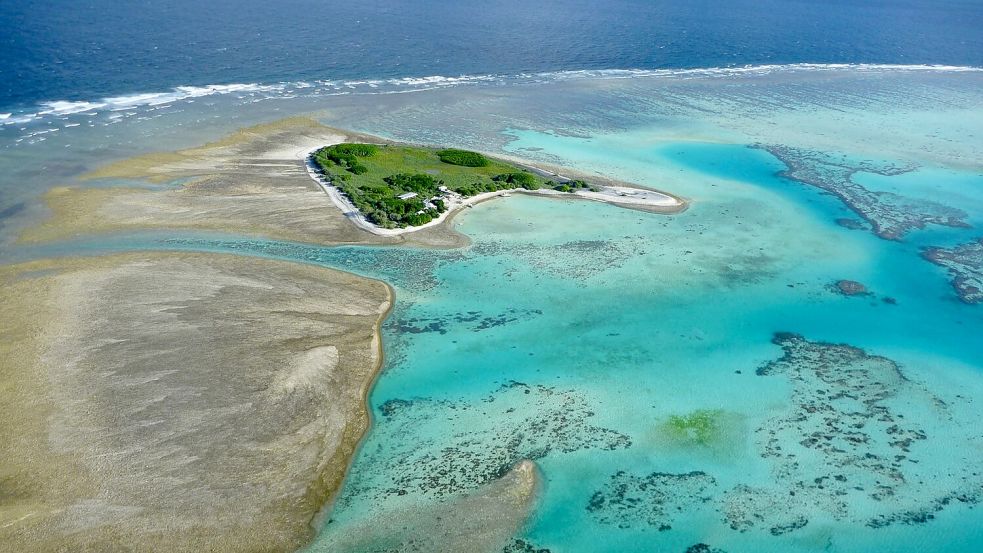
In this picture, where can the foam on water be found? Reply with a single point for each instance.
(45, 111)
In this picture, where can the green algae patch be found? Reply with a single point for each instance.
(718, 432)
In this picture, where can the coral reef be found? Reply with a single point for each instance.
(965, 266)
(890, 215)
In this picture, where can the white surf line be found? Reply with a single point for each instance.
(44, 110)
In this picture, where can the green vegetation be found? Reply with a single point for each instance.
(374, 177)
(346, 156)
(699, 426)
(462, 157)
(572, 186)
(717, 432)
(518, 180)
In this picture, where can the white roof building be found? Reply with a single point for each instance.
(407, 196)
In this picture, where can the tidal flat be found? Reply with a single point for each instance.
(179, 401)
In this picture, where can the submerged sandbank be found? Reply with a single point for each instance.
(180, 402)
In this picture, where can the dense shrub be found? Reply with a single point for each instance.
(422, 184)
(462, 157)
(360, 150)
(518, 180)
(346, 155)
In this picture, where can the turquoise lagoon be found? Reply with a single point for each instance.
(635, 318)
(686, 379)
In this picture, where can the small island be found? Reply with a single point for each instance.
(392, 188)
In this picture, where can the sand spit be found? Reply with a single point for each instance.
(482, 521)
(179, 402)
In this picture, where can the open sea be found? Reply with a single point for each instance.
(708, 381)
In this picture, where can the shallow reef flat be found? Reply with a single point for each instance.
(489, 436)
(179, 402)
(965, 266)
(858, 444)
(655, 499)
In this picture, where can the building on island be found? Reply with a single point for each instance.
(407, 196)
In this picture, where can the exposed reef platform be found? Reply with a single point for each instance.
(179, 402)
(890, 215)
(965, 266)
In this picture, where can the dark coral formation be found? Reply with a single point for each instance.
(703, 548)
(965, 266)
(850, 288)
(845, 448)
(859, 442)
(523, 546)
(575, 260)
(852, 224)
(969, 496)
(655, 499)
(891, 215)
(517, 421)
(475, 321)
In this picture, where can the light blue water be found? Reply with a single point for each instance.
(572, 333)
(641, 317)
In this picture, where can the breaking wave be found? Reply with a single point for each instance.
(62, 109)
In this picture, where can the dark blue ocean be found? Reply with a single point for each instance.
(71, 50)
